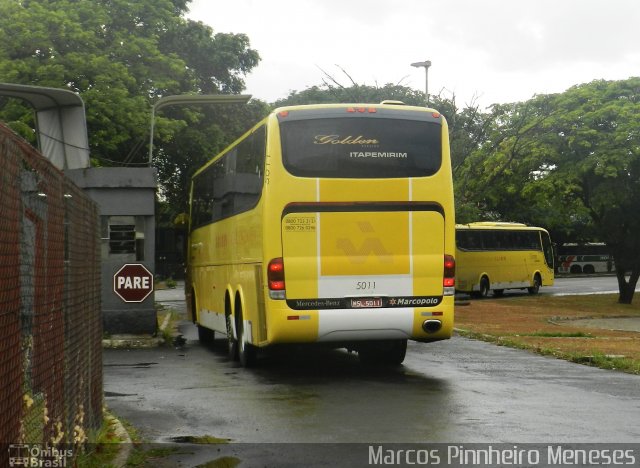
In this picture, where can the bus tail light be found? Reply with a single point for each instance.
(449, 277)
(275, 278)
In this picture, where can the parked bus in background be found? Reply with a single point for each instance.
(498, 256)
(326, 224)
(589, 258)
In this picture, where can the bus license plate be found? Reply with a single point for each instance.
(366, 303)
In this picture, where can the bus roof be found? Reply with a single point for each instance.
(397, 107)
(499, 226)
(356, 107)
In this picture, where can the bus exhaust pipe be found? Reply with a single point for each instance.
(432, 326)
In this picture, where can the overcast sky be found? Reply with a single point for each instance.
(487, 50)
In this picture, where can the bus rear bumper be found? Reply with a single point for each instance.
(347, 325)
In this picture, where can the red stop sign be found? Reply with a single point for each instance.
(133, 282)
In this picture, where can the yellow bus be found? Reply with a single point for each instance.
(498, 256)
(326, 224)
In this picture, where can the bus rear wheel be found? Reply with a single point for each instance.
(232, 343)
(485, 287)
(205, 335)
(247, 353)
(537, 282)
(385, 353)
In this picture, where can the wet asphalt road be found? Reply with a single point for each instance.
(456, 391)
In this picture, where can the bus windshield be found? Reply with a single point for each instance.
(361, 147)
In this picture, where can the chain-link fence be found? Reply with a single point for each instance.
(50, 319)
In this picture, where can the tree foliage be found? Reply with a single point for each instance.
(356, 93)
(205, 131)
(120, 56)
(570, 162)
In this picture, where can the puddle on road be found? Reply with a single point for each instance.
(204, 440)
(116, 394)
(138, 365)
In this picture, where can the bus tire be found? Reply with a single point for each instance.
(382, 353)
(205, 335)
(588, 269)
(537, 282)
(191, 308)
(232, 343)
(247, 353)
(485, 286)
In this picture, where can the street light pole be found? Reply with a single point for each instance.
(193, 99)
(426, 64)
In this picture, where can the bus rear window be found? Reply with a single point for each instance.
(361, 147)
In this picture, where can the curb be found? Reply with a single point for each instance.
(138, 341)
(120, 460)
(132, 341)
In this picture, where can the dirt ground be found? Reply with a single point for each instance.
(588, 329)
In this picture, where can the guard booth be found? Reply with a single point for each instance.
(125, 197)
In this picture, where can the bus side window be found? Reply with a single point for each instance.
(490, 240)
(462, 240)
(468, 240)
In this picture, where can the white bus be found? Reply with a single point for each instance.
(589, 258)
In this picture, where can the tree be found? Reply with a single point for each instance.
(598, 137)
(352, 94)
(120, 56)
(497, 175)
(570, 161)
(204, 132)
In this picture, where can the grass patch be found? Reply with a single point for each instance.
(549, 325)
(105, 446)
(560, 334)
(165, 325)
(168, 321)
(145, 457)
(205, 439)
(222, 462)
(589, 305)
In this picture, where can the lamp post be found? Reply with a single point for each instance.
(426, 64)
(186, 100)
